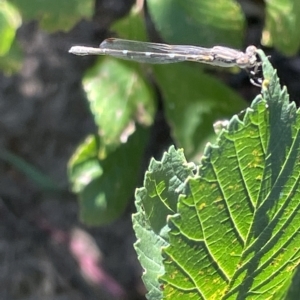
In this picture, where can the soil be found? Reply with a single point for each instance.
(46, 252)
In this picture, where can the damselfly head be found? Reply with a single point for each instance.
(251, 52)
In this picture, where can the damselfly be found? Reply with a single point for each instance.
(155, 53)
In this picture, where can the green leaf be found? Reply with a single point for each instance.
(163, 183)
(10, 21)
(119, 97)
(84, 166)
(148, 250)
(236, 235)
(56, 14)
(193, 101)
(206, 23)
(282, 26)
(105, 185)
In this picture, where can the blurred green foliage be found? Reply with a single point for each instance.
(121, 98)
(51, 15)
(192, 100)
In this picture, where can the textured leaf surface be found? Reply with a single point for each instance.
(56, 14)
(236, 235)
(282, 25)
(163, 183)
(206, 23)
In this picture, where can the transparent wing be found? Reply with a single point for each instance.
(151, 52)
(120, 44)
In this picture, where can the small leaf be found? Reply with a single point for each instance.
(56, 14)
(105, 185)
(206, 23)
(84, 165)
(119, 97)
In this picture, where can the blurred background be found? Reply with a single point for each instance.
(77, 133)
